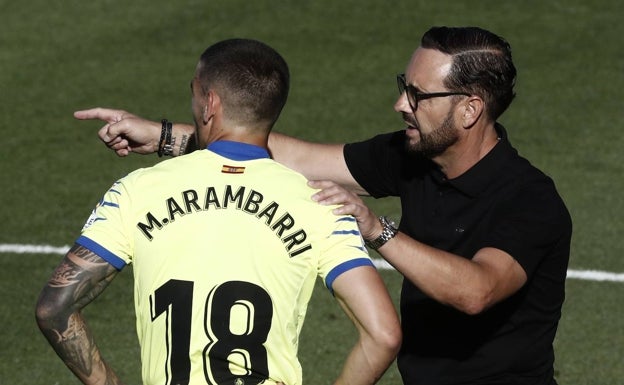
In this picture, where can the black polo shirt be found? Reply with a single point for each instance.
(502, 202)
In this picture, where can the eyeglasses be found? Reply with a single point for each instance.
(413, 96)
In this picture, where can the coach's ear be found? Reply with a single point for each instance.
(473, 108)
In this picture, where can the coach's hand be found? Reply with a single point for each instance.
(124, 132)
(350, 204)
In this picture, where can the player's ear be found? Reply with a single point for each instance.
(472, 110)
(212, 105)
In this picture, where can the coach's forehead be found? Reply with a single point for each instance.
(428, 68)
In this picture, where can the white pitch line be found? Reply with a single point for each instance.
(595, 275)
(32, 249)
(588, 275)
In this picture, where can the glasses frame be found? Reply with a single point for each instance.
(413, 96)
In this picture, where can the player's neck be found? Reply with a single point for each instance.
(242, 135)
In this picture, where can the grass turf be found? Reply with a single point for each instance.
(140, 55)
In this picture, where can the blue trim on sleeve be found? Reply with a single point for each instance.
(346, 232)
(101, 251)
(343, 267)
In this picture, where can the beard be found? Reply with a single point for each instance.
(437, 141)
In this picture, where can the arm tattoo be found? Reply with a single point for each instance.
(83, 274)
(79, 278)
(183, 144)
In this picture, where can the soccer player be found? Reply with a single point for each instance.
(226, 245)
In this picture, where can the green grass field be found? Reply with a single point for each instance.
(57, 57)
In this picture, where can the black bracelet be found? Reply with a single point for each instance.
(161, 141)
(165, 145)
(168, 149)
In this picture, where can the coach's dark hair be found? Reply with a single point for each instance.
(482, 64)
(251, 78)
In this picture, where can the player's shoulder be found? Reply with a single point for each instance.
(165, 168)
(276, 167)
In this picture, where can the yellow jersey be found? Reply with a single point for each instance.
(226, 245)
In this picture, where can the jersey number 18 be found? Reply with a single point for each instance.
(244, 345)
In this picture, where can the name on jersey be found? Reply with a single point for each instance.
(240, 198)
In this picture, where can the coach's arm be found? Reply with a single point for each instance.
(78, 279)
(365, 299)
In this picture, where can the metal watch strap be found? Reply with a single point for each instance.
(387, 233)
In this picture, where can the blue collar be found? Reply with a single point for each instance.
(238, 150)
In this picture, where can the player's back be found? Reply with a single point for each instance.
(225, 257)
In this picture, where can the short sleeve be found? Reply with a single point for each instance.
(376, 163)
(531, 229)
(342, 250)
(106, 231)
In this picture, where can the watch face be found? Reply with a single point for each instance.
(390, 222)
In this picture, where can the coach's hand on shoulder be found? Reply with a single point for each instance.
(349, 203)
(124, 132)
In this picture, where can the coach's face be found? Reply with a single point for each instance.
(431, 126)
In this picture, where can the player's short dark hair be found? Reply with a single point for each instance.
(482, 64)
(251, 78)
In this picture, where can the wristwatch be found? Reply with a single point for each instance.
(388, 232)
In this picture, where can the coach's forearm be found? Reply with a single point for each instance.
(316, 161)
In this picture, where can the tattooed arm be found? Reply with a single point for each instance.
(78, 279)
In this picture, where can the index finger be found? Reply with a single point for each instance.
(108, 115)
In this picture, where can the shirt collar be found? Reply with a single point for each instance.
(237, 150)
(479, 176)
